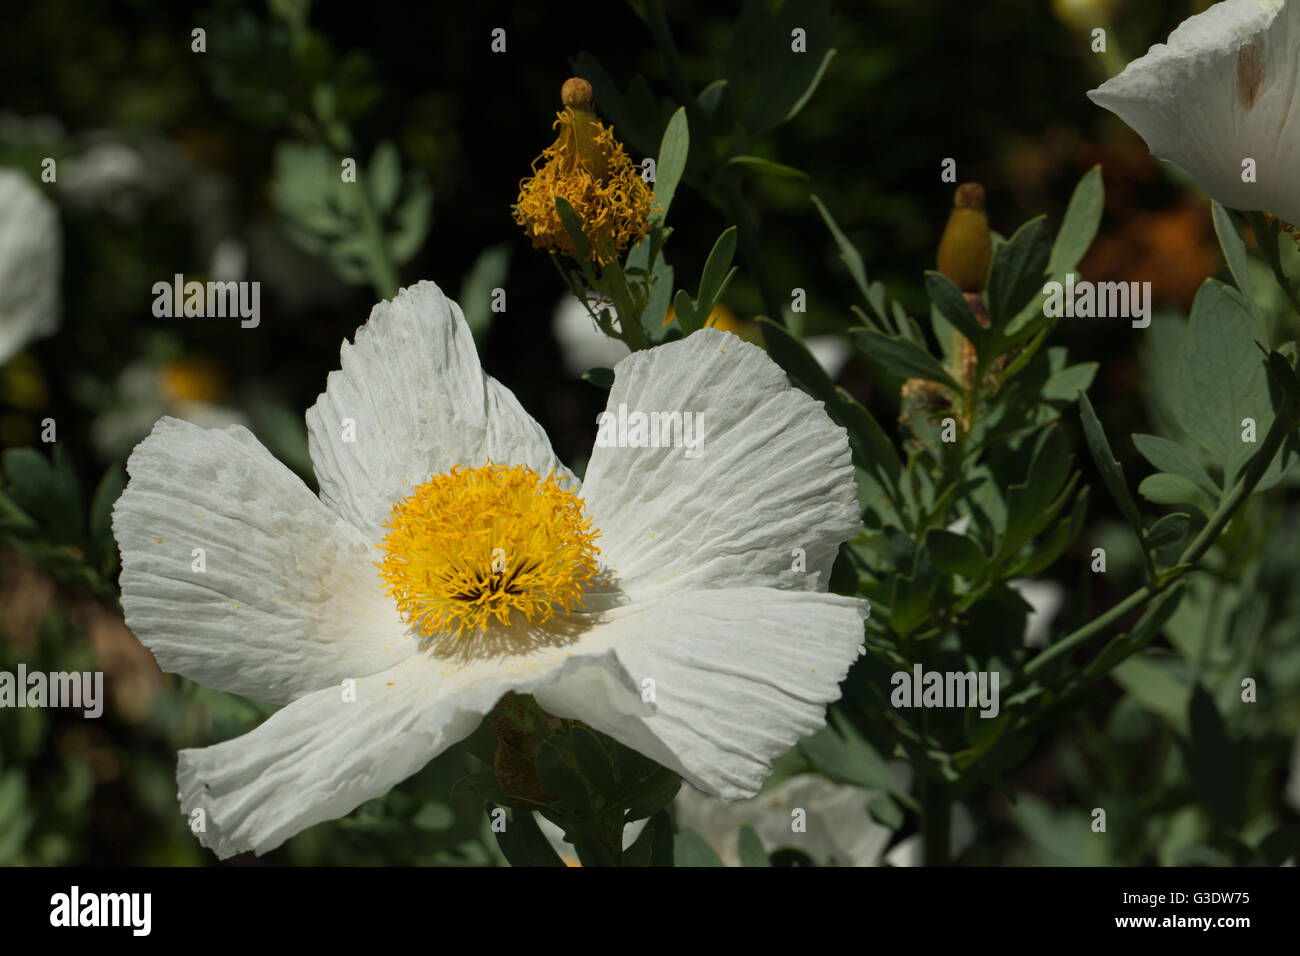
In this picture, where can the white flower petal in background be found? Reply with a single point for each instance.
(145, 391)
(695, 599)
(566, 850)
(1045, 598)
(582, 345)
(838, 829)
(31, 263)
(910, 852)
(831, 352)
(1224, 88)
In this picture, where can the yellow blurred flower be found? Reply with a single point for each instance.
(587, 167)
(190, 380)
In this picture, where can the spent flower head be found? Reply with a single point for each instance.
(588, 168)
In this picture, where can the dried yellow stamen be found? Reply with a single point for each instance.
(587, 167)
(480, 549)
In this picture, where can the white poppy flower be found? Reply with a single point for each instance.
(31, 261)
(361, 609)
(1220, 92)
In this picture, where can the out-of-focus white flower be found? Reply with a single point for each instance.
(146, 390)
(1045, 599)
(1223, 90)
(566, 851)
(838, 829)
(31, 263)
(830, 351)
(582, 345)
(961, 834)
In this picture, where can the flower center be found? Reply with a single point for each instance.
(482, 545)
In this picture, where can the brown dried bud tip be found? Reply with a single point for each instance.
(576, 93)
(969, 196)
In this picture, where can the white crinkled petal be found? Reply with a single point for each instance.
(288, 599)
(411, 401)
(1225, 87)
(738, 676)
(324, 755)
(773, 474)
(31, 262)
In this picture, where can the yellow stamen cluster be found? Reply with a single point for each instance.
(587, 167)
(482, 546)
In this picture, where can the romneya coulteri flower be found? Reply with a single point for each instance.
(451, 558)
(31, 262)
(1218, 99)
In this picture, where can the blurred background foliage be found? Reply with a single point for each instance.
(223, 165)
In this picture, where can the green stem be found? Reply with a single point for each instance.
(1277, 434)
(936, 815)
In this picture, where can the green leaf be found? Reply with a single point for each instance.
(573, 226)
(766, 166)
(101, 505)
(1055, 542)
(691, 849)
(1034, 502)
(750, 848)
(1221, 378)
(654, 846)
(600, 376)
(1062, 386)
(714, 280)
(871, 446)
(1166, 489)
(1082, 217)
(488, 273)
(523, 842)
(686, 314)
(673, 152)
(901, 357)
(1018, 271)
(594, 762)
(385, 179)
(561, 779)
(1169, 531)
(955, 553)
(1234, 250)
(1174, 458)
(947, 298)
(885, 811)
(843, 755)
(851, 257)
(798, 363)
(1160, 683)
(653, 794)
(769, 81)
(1111, 472)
